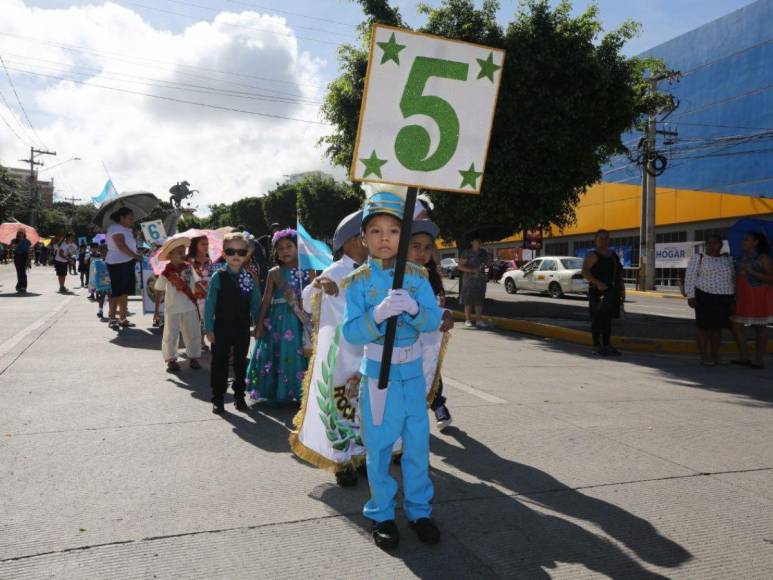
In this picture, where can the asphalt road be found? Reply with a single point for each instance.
(559, 465)
(635, 303)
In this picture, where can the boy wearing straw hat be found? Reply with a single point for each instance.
(177, 284)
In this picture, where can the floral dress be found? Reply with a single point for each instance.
(277, 363)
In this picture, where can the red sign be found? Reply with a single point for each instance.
(532, 239)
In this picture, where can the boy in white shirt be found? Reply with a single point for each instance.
(177, 284)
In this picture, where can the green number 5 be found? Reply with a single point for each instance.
(413, 142)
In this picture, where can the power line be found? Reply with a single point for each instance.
(267, 30)
(129, 58)
(18, 100)
(8, 107)
(217, 11)
(183, 101)
(159, 83)
(251, 5)
(712, 62)
(723, 101)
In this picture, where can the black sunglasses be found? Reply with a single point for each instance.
(235, 252)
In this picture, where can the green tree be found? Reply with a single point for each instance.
(323, 203)
(566, 96)
(220, 215)
(10, 198)
(249, 212)
(280, 205)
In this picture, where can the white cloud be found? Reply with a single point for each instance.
(148, 143)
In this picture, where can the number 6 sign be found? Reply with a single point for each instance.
(154, 232)
(427, 111)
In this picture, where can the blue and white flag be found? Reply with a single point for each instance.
(108, 192)
(312, 254)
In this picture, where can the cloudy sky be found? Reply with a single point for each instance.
(223, 93)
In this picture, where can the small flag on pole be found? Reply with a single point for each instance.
(312, 254)
(108, 192)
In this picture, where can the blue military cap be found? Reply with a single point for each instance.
(383, 202)
(425, 227)
(347, 229)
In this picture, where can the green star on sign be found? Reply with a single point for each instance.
(391, 50)
(470, 177)
(373, 165)
(487, 67)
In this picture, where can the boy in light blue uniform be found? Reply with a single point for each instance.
(401, 409)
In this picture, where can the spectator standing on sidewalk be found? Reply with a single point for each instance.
(604, 272)
(709, 285)
(61, 258)
(120, 257)
(754, 298)
(473, 264)
(21, 259)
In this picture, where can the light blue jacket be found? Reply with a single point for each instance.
(366, 287)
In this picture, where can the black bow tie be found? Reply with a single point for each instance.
(356, 265)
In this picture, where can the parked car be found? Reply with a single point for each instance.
(556, 275)
(449, 268)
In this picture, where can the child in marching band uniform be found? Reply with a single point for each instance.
(399, 410)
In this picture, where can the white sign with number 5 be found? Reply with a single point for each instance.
(427, 111)
(154, 232)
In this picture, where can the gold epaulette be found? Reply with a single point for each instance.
(363, 272)
(416, 270)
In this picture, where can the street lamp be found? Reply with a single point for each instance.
(60, 164)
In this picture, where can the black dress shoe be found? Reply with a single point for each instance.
(241, 404)
(427, 531)
(385, 535)
(218, 408)
(346, 477)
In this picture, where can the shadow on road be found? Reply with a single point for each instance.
(756, 386)
(488, 533)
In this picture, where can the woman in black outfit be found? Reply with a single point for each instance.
(604, 272)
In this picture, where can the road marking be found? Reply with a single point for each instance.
(473, 391)
(9, 344)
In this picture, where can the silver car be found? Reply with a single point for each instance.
(556, 275)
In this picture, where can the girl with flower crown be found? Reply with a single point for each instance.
(278, 361)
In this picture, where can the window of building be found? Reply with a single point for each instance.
(557, 249)
(703, 235)
(670, 237)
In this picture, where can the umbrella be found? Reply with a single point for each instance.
(488, 233)
(140, 202)
(215, 238)
(8, 232)
(739, 229)
(99, 239)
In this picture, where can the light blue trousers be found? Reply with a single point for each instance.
(405, 415)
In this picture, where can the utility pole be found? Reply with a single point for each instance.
(34, 182)
(72, 201)
(653, 165)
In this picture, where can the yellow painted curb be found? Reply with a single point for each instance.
(552, 331)
(672, 296)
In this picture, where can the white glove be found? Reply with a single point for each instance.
(406, 303)
(389, 307)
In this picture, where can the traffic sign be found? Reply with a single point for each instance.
(427, 111)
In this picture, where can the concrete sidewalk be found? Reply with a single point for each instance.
(559, 465)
